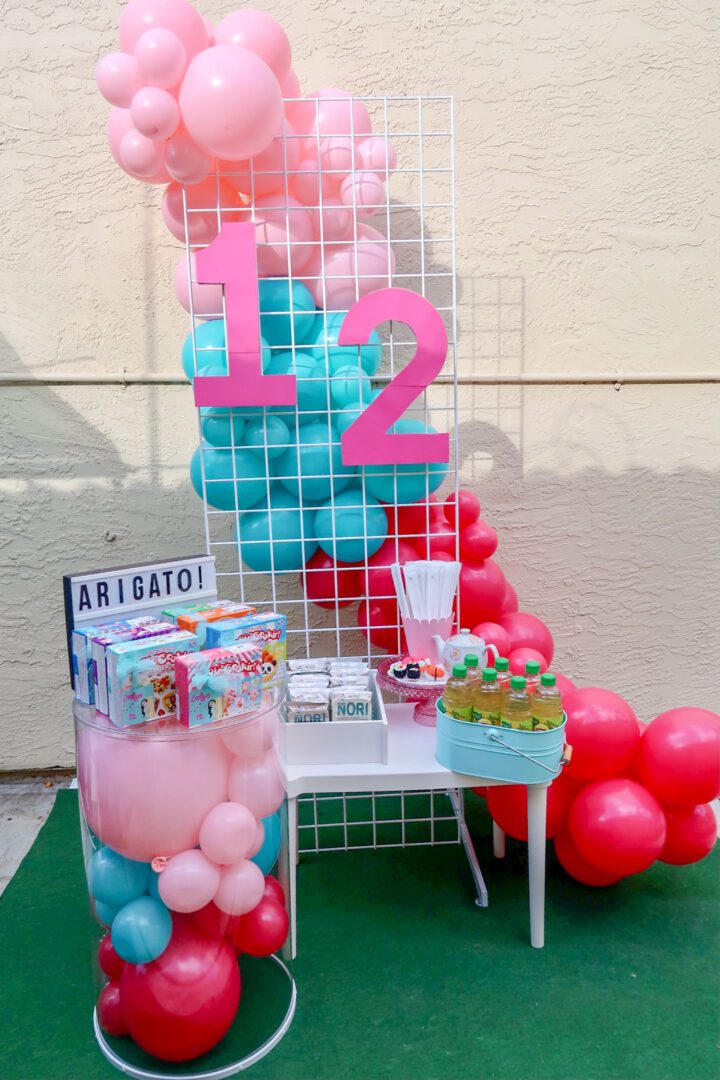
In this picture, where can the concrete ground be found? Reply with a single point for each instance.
(24, 806)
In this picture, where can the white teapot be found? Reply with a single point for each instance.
(457, 647)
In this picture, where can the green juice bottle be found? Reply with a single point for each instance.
(547, 710)
(474, 674)
(532, 676)
(516, 706)
(487, 698)
(457, 697)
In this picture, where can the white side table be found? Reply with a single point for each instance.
(412, 766)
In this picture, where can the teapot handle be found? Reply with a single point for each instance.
(494, 649)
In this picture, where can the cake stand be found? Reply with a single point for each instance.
(423, 696)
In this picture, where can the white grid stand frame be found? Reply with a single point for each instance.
(414, 240)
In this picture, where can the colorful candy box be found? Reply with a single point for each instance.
(218, 683)
(99, 645)
(141, 677)
(82, 652)
(197, 622)
(267, 629)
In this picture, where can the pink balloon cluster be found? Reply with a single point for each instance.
(211, 109)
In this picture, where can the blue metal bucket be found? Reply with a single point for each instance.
(499, 753)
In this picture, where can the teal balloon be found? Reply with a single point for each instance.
(269, 435)
(222, 427)
(210, 348)
(350, 384)
(282, 363)
(141, 930)
(105, 913)
(267, 856)
(343, 418)
(248, 484)
(314, 465)
(287, 312)
(352, 527)
(340, 355)
(404, 483)
(293, 538)
(154, 885)
(312, 388)
(115, 880)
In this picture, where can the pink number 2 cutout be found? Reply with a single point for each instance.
(366, 441)
(231, 260)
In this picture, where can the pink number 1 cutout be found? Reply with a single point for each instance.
(231, 260)
(366, 441)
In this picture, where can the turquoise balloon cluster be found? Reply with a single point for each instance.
(281, 467)
(126, 899)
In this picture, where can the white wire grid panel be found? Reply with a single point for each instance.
(365, 821)
(416, 220)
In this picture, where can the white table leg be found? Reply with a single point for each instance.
(537, 813)
(290, 949)
(498, 842)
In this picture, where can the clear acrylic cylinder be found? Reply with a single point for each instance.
(183, 836)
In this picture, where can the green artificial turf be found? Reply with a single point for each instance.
(399, 975)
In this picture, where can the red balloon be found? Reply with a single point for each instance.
(528, 632)
(264, 929)
(214, 923)
(679, 759)
(482, 588)
(109, 1010)
(182, 1004)
(441, 537)
(410, 522)
(573, 863)
(618, 826)
(564, 685)
(274, 889)
(469, 508)
(510, 600)
(508, 807)
(481, 791)
(110, 963)
(492, 633)
(379, 580)
(478, 542)
(442, 556)
(383, 617)
(322, 586)
(691, 835)
(603, 732)
(520, 657)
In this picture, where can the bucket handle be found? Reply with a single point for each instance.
(567, 751)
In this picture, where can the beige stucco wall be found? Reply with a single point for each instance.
(587, 186)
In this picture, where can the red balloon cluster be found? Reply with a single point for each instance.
(182, 1004)
(630, 795)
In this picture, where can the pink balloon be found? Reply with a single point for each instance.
(228, 833)
(188, 882)
(493, 634)
(528, 632)
(146, 797)
(261, 34)
(253, 738)
(230, 102)
(617, 826)
(370, 264)
(185, 161)
(377, 155)
(267, 172)
(332, 223)
(257, 784)
(241, 888)
(200, 198)
(140, 156)
(119, 124)
(179, 16)
(364, 192)
(258, 841)
(207, 300)
(161, 58)
(279, 219)
(335, 112)
(603, 732)
(338, 155)
(307, 182)
(155, 113)
(520, 657)
(118, 78)
(290, 86)
(510, 599)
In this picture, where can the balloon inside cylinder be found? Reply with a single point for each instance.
(334, 508)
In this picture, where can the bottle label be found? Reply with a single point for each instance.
(465, 712)
(544, 723)
(482, 716)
